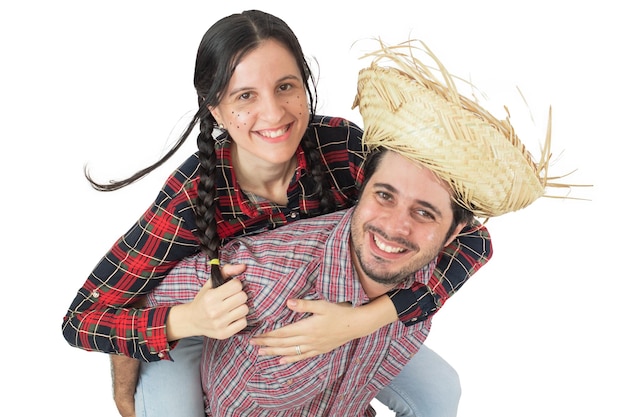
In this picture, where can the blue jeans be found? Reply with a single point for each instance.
(427, 386)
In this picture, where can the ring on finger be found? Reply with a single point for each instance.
(298, 351)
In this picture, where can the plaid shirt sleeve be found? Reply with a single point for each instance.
(101, 317)
(456, 263)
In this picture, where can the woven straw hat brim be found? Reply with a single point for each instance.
(481, 158)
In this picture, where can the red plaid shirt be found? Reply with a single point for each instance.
(310, 259)
(101, 317)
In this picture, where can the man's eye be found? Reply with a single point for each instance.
(424, 214)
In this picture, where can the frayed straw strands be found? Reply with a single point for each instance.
(406, 109)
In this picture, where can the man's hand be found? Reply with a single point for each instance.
(125, 373)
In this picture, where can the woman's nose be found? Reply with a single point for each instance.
(272, 109)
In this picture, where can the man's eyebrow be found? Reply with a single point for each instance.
(394, 190)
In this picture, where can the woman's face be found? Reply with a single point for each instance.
(265, 107)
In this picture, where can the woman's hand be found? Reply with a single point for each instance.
(330, 326)
(217, 313)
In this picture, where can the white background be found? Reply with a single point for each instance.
(538, 331)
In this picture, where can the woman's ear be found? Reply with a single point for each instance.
(216, 115)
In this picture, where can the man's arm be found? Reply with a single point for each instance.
(125, 374)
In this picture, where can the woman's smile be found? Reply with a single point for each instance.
(275, 135)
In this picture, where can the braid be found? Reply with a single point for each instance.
(316, 165)
(205, 203)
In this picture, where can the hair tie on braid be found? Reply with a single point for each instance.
(206, 221)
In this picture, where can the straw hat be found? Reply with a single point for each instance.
(406, 109)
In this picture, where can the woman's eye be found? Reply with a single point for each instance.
(284, 87)
(244, 96)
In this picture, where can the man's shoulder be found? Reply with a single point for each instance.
(319, 223)
(298, 242)
(309, 230)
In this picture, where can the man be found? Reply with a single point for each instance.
(404, 217)
(438, 160)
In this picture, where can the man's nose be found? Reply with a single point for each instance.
(398, 223)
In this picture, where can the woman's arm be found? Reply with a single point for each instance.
(456, 264)
(332, 325)
(102, 317)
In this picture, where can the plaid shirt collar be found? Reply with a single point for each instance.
(228, 190)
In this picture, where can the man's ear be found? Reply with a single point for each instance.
(455, 233)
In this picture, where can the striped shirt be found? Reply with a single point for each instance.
(100, 317)
(309, 259)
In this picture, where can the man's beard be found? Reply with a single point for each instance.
(391, 279)
(388, 278)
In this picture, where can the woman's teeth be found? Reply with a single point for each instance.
(274, 133)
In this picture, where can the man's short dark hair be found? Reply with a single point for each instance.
(460, 214)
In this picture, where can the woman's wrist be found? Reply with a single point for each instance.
(177, 326)
(374, 315)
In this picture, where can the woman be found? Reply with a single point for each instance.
(274, 162)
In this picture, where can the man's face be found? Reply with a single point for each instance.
(401, 221)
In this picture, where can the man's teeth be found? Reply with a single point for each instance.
(273, 133)
(387, 248)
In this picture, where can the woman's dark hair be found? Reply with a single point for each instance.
(460, 214)
(223, 46)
